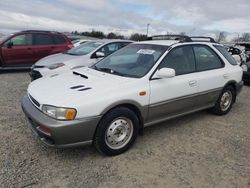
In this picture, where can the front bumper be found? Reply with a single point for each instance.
(61, 133)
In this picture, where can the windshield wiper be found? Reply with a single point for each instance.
(108, 70)
(79, 74)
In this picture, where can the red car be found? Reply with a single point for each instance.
(24, 48)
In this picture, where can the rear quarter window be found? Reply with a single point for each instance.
(226, 54)
(59, 39)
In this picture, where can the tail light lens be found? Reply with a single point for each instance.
(70, 46)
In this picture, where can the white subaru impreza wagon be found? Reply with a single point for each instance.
(140, 85)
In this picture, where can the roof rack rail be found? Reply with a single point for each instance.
(202, 39)
(181, 38)
(42, 31)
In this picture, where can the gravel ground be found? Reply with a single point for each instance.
(198, 150)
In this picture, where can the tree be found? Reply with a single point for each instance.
(93, 33)
(112, 35)
(221, 36)
(245, 37)
(138, 37)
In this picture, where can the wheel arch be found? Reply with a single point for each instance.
(232, 83)
(141, 112)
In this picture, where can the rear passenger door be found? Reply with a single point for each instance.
(43, 45)
(172, 96)
(61, 44)
(210, 74)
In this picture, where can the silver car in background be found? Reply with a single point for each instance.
(80, 56)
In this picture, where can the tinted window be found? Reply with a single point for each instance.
(181, 59)
(21, 40)
(43, 39)
(206, 58)
(59, 39)
(226, 54)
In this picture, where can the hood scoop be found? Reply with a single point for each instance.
(79, 74)
(80, 88)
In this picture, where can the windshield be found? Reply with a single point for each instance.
(2, 37)
(85, 48)
(135, 60)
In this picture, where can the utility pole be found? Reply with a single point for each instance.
(147, 28)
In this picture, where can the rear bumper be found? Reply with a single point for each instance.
(239, 87)
(59, 134)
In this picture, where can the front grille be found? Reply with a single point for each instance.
(34, 101)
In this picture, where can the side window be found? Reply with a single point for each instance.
(206, 58)
(58, 39)
(110, 48)
(181, 59)
(226, 54)
(43, 39)
(21, 40)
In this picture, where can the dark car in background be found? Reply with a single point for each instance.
(22, 49)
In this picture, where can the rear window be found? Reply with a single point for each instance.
(59, 39)
(226, 54)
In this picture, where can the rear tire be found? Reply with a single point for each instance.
(116, 131)
(225, 101)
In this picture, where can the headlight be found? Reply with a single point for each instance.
(244, 67)
(59, 113)
(55, 66)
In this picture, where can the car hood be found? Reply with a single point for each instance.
(55, 58)
(70, 89)
(69, 60)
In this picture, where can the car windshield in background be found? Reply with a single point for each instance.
(2, 37)
(135, 60)
(84, 48)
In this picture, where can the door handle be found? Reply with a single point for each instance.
(192, 83)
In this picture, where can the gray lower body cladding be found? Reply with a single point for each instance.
(180, 106)
(62, 133)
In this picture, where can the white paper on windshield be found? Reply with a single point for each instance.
(146, 51)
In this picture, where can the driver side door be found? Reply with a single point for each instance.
(20, 53)
(171, 97)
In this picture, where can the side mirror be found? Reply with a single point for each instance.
(99, 55)
(9, 44)
(165, 73)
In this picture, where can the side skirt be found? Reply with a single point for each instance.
(177, 115)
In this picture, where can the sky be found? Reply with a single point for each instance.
(194, 17)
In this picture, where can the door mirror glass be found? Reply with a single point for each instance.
(99, 55)
(9, 44)
(165, 73)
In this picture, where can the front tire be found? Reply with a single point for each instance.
(225, 101)
(116, 131)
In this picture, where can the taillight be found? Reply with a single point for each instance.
(70, 46)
